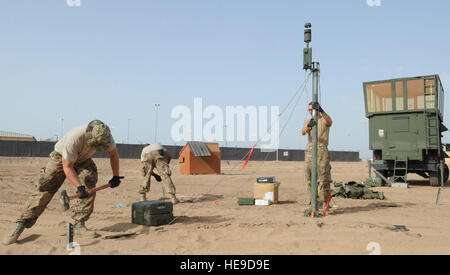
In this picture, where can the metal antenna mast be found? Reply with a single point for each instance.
(308, 64)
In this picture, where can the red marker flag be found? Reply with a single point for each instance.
(249, 156)
(326, 206)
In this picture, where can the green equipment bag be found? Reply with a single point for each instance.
(151, 213)
(373, 182)
(354, 190)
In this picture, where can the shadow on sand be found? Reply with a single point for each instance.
(119, 227)
(201, 220)
(370, 207)
(423, 182)
(203, 198)
(28, 239)
(287, 202)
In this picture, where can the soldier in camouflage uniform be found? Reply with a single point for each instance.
(156, 156)
(323, 159)
(72, 159)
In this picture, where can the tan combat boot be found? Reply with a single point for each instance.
(15, 234)
(174, 199)
(80, 229)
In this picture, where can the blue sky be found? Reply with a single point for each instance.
(113, 60)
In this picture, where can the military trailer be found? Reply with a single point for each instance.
(405, 127)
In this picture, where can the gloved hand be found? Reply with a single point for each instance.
(311, 123)
(157, 177)
(316, 106)
(83, 192)
(115, 181)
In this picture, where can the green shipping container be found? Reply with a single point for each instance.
(406, 126)
(152, 213)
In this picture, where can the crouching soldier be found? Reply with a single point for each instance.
(156, 156)
(71, 159)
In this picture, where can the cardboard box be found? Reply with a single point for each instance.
(266, 191)
(263, 202)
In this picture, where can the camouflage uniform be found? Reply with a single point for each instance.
(158, 161)
(77, 147)
(50, 180)
(323, 171)
(323, 162)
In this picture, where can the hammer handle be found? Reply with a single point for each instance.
(92, 191)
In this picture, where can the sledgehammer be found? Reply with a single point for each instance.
(64, 198)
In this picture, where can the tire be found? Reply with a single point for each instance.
(435, 177)
(446, 172)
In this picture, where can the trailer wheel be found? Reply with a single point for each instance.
(446, 172)
(435, 177)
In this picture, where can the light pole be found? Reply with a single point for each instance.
(278, 147)
(225, 134)
(128, 135)
(156, 120)
(62, 123)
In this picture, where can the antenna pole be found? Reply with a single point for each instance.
(314, 67)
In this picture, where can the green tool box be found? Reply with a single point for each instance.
(246, 201)
(151, 213)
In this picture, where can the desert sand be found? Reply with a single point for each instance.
(209, 220)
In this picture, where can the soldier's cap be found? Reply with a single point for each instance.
(154, 147)
(98, 135)
(157, 146)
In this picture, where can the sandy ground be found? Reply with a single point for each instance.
(210, 221)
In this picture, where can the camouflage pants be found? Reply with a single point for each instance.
(162, 169)
(50, 180)
(323, 172)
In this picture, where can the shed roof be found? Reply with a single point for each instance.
(14, 135)
(199, 149)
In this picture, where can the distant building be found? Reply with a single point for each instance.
(5, 135)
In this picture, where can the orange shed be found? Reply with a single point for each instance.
(199, 158)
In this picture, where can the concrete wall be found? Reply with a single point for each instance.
(133, 151)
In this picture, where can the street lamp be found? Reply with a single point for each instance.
(62, 123)
(128, 135)
(156, 120)
(225, 134)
